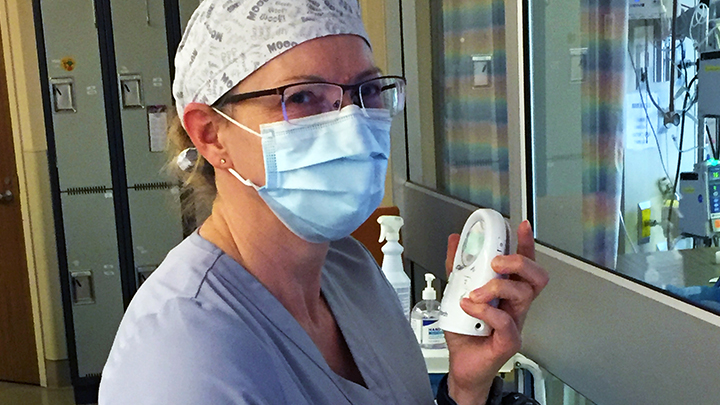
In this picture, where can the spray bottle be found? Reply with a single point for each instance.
(425, 317)
(392, 264)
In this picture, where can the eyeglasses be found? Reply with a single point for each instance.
(300, 100)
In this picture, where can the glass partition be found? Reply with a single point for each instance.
(624, 138)
(459, 80)
(589, 328)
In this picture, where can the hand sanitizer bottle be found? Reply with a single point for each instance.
(392, 265)
(425, 316)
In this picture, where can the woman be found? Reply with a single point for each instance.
(270, 301)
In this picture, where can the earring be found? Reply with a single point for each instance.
(223, 161)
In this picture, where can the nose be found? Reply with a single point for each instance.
(347, 100)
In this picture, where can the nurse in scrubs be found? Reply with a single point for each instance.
(283, 140)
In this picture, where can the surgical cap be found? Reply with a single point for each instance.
(226, 40)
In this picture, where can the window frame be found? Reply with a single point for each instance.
(580, 328)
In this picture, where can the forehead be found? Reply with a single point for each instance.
(336, 58)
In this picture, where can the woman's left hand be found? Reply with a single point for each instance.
(474, 360)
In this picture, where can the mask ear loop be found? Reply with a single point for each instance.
(231, 170)
(229, 118)
(242, 180)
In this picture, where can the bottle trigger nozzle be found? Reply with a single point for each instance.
(390, 227)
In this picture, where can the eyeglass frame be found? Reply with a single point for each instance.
(279, 91)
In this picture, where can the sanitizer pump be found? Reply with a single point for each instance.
(424, 318)
(392, 264)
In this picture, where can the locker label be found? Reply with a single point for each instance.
(157, 125)
(68, 64)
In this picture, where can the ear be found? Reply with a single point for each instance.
(201, 124)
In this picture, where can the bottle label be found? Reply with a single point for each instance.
(403, 294)
(428, 332)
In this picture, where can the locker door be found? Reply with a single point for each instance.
(156, 227)
(92, 289)
(186, 9)
(140, 37)
(94, 273)
(76, 92)
(144, 81)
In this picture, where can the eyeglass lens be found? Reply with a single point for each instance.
(305, 100)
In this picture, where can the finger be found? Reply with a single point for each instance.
(523, 268)
(453, 241)
(504, 327)
(519, 293)
(526, 240)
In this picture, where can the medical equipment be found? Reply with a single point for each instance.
(700, 200)
(646, 9)
(708, 82)
(485, 235)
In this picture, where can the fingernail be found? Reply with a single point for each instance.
(476, 295)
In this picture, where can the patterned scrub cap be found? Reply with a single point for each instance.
(226, 40)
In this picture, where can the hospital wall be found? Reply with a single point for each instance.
(19, 48)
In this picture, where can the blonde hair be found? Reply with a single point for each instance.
(197, 184)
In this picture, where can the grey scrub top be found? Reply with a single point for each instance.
(202, 330)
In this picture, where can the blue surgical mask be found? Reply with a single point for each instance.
(324, 177)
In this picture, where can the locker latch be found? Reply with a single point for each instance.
(81, 286)
(63, 97)
(481, 70)
(131, 91)
(143, 272)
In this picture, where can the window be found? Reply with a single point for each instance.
(460, 113)
(612, 339)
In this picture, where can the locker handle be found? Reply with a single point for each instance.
(147, 12)
(62, 94)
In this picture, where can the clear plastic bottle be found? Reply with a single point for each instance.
(392, 264)
(424, 318)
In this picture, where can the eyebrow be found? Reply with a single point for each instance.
(313, 78)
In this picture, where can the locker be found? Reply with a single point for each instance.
(73, 56)
(91, 244)
(186, 8)
(107, 95)
(141, 52)
(151, 243)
